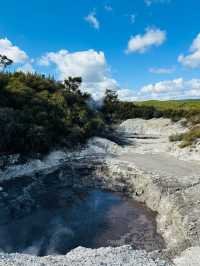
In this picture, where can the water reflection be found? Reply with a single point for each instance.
(93, 219)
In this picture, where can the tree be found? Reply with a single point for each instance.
(110, 105)
(5, 61)
(111, 97)
(72, 84)
(38, 113)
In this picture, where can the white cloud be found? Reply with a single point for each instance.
(12, 52)
(90, 65)
(193, 59)
(171, 89)
(94, 69)
(127, 95)
(141, 43)
(162, 70)
(92, 20)
(108, 8)
(150, 2)
(163, 86)
(26, 68)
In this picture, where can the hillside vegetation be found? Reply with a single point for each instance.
(189, 110)
(176, 110)
(38, 113)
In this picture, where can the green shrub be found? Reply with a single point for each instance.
(190, 137)
(187, 138)
(176, 137)
(38, 113)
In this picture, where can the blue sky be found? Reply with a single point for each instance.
(143, 48)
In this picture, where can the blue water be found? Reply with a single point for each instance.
(92, 219)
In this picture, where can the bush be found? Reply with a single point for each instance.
(38, 113)
(190, 137)
(176, 137)
(187, 138)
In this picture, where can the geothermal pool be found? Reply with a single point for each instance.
(91, 219)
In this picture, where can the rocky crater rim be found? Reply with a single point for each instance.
(144, 170)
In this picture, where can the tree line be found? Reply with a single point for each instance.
(38, 113)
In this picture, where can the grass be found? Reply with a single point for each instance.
(190, 137)
(173, 104)
(176, 110)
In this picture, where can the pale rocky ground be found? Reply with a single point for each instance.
(152, 137)
(161, 174)
(120, 256)
(189, 257)
(150, 151)
(157, 132)
(144, 136)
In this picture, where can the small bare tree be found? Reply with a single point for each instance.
(5, 62)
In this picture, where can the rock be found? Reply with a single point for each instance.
(189, 257)
(12, 171)
(190, 153)
(159, 127)
(152, 136)
(143, 169)
(103, 146)
(120, 256)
